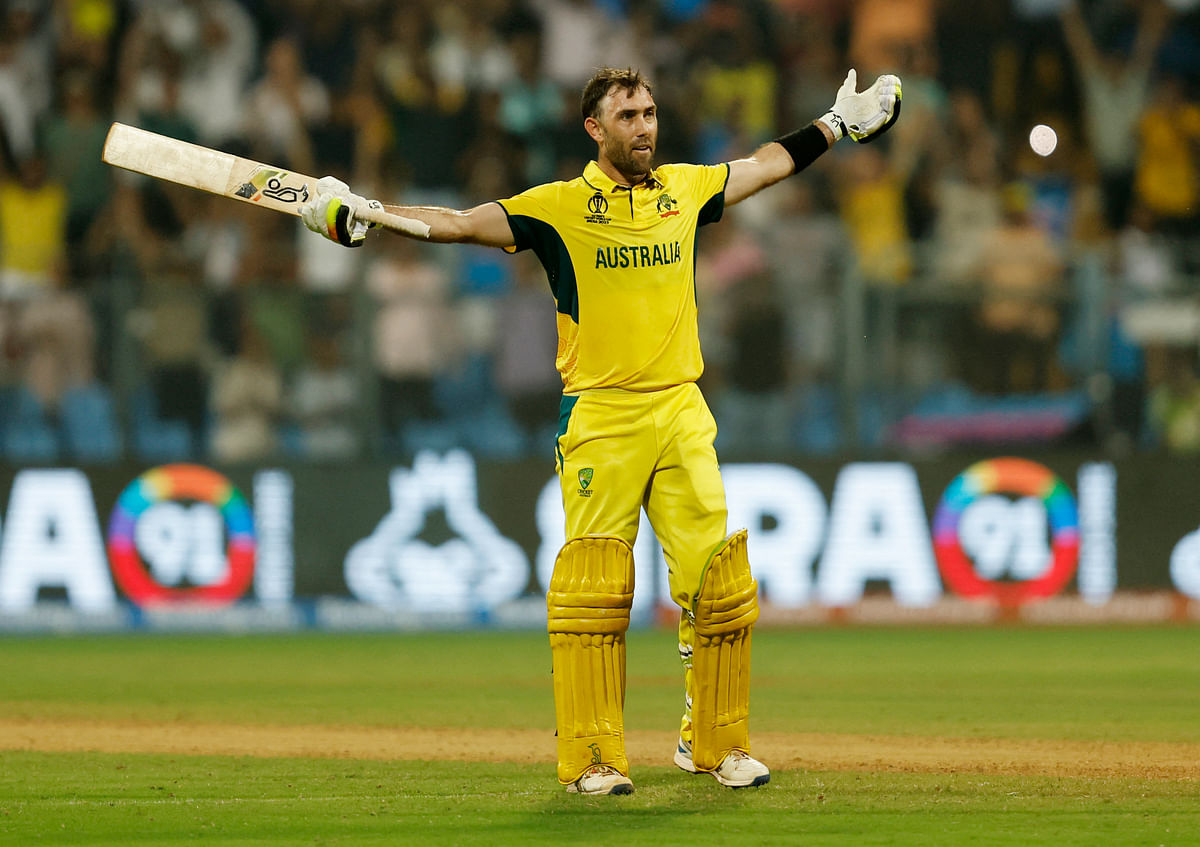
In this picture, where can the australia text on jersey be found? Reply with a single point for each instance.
(638, 255)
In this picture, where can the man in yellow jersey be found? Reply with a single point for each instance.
(618, 244)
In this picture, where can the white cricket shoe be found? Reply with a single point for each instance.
(737, 770)
(601, 779)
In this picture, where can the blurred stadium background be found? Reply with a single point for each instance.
(880, 332)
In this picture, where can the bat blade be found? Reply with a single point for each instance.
(206, 169)
(182, 162)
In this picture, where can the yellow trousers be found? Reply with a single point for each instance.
(620, 451)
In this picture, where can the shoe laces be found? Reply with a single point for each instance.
(600, 770)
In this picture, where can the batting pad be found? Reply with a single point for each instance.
(591, 593)
(725, 610)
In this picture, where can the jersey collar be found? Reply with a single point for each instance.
(602, 182)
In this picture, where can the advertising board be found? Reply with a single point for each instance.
(445, 540)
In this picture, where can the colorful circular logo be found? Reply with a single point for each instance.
(175, 483)
(1021, 478)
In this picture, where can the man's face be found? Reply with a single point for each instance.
(628, 126)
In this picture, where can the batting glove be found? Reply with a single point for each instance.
(864, 116)
(331, 212)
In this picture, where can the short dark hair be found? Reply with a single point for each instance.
(628, 80)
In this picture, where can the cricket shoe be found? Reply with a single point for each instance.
(601, 779)
(737, 770)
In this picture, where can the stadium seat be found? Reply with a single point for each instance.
(157, 439)
(492, 433)
(29, 434)
(817, 427)
(428, 435)
(91, 433)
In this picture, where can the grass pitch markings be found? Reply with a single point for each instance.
(791, 751)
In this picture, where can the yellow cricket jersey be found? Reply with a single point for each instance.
(622, 266)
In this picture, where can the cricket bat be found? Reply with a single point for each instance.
(182, 162)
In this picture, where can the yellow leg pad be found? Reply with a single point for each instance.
(725, 611)
(591, 593)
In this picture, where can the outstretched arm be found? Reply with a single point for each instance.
(342, 216)
(769, 164)
(486, 224)
(1152, 27)
(1078, 38)
(862, 116)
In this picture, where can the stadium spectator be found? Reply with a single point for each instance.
(27, 31)
(170, 321)
(246, 402)
(727, 256)
(578, 36)
(885, 33)
(211, 47)
(1167, 181)
(73, 140)
(871, 198)
(56, 335)
(1018, 321)
(805, 224)
(1174, 404)
(525, 354)
(1115, 91)
(323, 401)
(967, 192)
(33, 230)
(84, 34)
(753, 410)
(413, 337)
(47, 331)
(468, 49)
(286, 102)
(528, 105)
(429, 116)
(18, 110)
(737, 84)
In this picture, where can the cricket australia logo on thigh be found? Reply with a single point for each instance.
(585, 481)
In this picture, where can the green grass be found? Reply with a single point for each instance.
(1117, 684)
(147, 800)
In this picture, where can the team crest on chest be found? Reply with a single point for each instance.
(667, 205)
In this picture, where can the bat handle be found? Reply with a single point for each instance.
(375, 213)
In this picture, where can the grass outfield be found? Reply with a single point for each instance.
(989, 736)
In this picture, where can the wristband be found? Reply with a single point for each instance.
(804, 146)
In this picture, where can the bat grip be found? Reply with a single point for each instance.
(374, 213)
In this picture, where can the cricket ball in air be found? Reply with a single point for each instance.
(1043, 140)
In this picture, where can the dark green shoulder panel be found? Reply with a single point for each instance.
(712, 210)
(540, 237)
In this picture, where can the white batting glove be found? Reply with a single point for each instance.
(331, 212)
(864, 116)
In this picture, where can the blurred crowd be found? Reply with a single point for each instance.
(946, 285)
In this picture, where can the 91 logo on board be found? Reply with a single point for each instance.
(1007, 530)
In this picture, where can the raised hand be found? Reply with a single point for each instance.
(864, 116)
